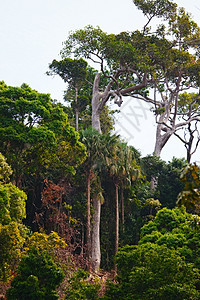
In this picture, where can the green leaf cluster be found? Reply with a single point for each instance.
(37, 278)
(12, 211)
(44, 242)
(164, 264)
(190, 195)
(72, 71)
(160, 9)
(79, 287)
(12, 238)
(35, 133)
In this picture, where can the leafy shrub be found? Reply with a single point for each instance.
(80, 288)
(45, 242)
(151, 271)
(37, 278)
(12, 238)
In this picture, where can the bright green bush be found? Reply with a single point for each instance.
(37, 278)
(45, 242)
(152, 271)
(12, 238)
(165, 264)
(79, 288)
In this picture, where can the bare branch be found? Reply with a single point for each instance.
(136, 87)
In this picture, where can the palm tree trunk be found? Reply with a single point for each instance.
(122, 206)
(76, 107)
(116, 221)
(88, 228)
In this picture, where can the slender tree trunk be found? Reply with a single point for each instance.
(122, 206)
(88, 227)
(116, 218)
(95, 234)
(189, 144)
(82, 239)
(76, 107)
(116, 222)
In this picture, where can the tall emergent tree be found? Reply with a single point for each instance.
(138, 63)
(72, 71)
(100, 149)
(177, 70)
(117, 59)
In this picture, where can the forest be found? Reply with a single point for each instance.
(83, 215)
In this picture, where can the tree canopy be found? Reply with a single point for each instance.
(35, 133)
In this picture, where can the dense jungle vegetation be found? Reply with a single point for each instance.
(82, 214)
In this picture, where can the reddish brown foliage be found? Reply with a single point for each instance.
(55, 215)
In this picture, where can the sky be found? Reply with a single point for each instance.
(32, 33)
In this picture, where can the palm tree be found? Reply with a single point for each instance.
(123, 170)
(99, 150)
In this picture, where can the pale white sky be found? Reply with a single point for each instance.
(31, 35)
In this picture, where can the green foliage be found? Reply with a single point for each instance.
(12, 238)
(148, 271)
(164, 264)
(70, 70)
(12, 211)
(83, 104)
(12, 199)
(168, 178)
(122, 166)
(37, 278)
(175, 229)
(188, 100)
(45, 242)
(12, 204)
(167, 220)
(169, 183)
(5, 169)
(190, 195)
(39, 143)
(123, 51)
(160, 9)
(100, 147)
(185, 30)
(81, 287)
(35, 134)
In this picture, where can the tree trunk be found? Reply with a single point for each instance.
(98, 102)
(95, 234)
(122, 204)
(189, 144)
(96, 121)
(76, 107)
(95, 229)
(161, 140)
(116, 218)
(96, 96)
(88, 227)
(116, 222)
